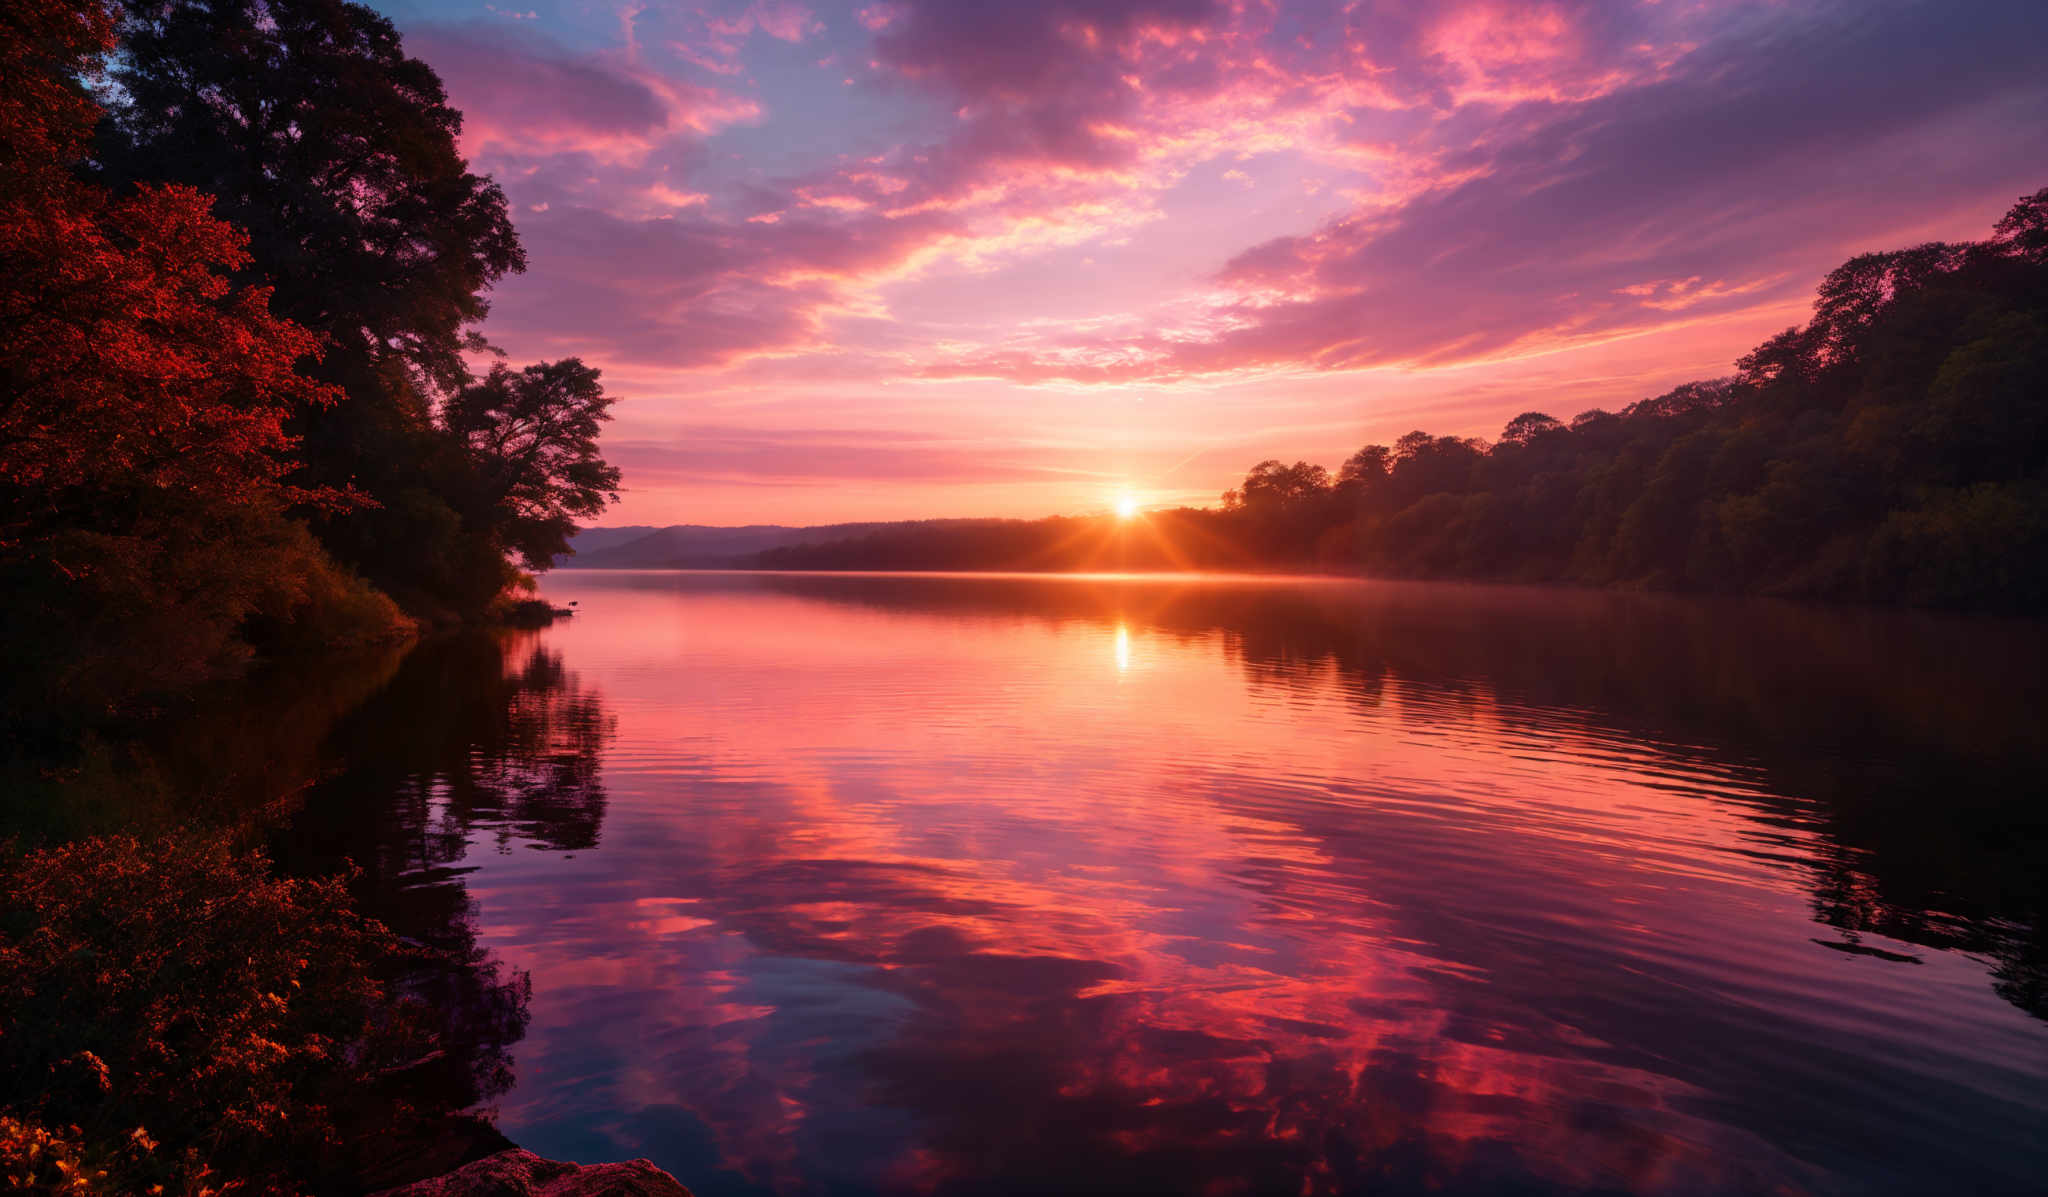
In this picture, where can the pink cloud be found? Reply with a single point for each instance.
(1714, 166)
(698, 289)
(521, 95)
(1162, 194)
(778, 456)
(777, 18)
(879, 16)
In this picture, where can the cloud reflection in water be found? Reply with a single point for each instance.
(1322, 887)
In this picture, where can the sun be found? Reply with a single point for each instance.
(1126, 506)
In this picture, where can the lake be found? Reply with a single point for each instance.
(867, 883)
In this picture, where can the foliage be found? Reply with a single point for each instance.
(34, 1159)
(130, 362)
(200, 1023)
(45, 113)
(132, 365)
(337, 152)
(144, 402)
(1277, 488)
(533, 438)
(187, 593)
(313, 130)
(180, 396)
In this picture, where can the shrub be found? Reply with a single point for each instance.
(191, 1021)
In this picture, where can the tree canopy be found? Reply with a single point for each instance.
(242, 274)
(533, 436)
(145, 397)
(338, 153)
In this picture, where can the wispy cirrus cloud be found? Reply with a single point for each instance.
(1715, 183)
(730, 453)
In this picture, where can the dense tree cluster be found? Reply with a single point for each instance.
(1892, 450)
(143, 400)
(239, 279)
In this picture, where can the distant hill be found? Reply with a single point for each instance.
(1177, 539)
(591, 540)
(700, 546)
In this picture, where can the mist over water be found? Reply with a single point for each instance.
(888, 883)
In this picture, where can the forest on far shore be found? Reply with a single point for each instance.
(1893, 450)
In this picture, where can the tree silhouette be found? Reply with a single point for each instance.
(1528, 427)
(1274, 486)
(532, 436)
(314, 130)
(337, 152)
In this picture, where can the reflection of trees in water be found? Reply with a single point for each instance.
(393, 761)
(1912, 739)
(216, 755)
(474, 734)
(1910, 746)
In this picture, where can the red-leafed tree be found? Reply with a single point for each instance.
(130, 362)
(143, 396)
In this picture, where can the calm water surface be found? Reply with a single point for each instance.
(865, 883)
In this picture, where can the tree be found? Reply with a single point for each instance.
(1529, 426)
(132, 366)
(1425, 463)
(46, 46)
(338, 153)
(1274, 486)
(1365, 468)
(143, 397)
(1857, 292)
(531, 437)
(2023, 231)
(129, 360)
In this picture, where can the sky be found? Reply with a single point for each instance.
(913, 258)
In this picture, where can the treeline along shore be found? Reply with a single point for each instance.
(1894, 450)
